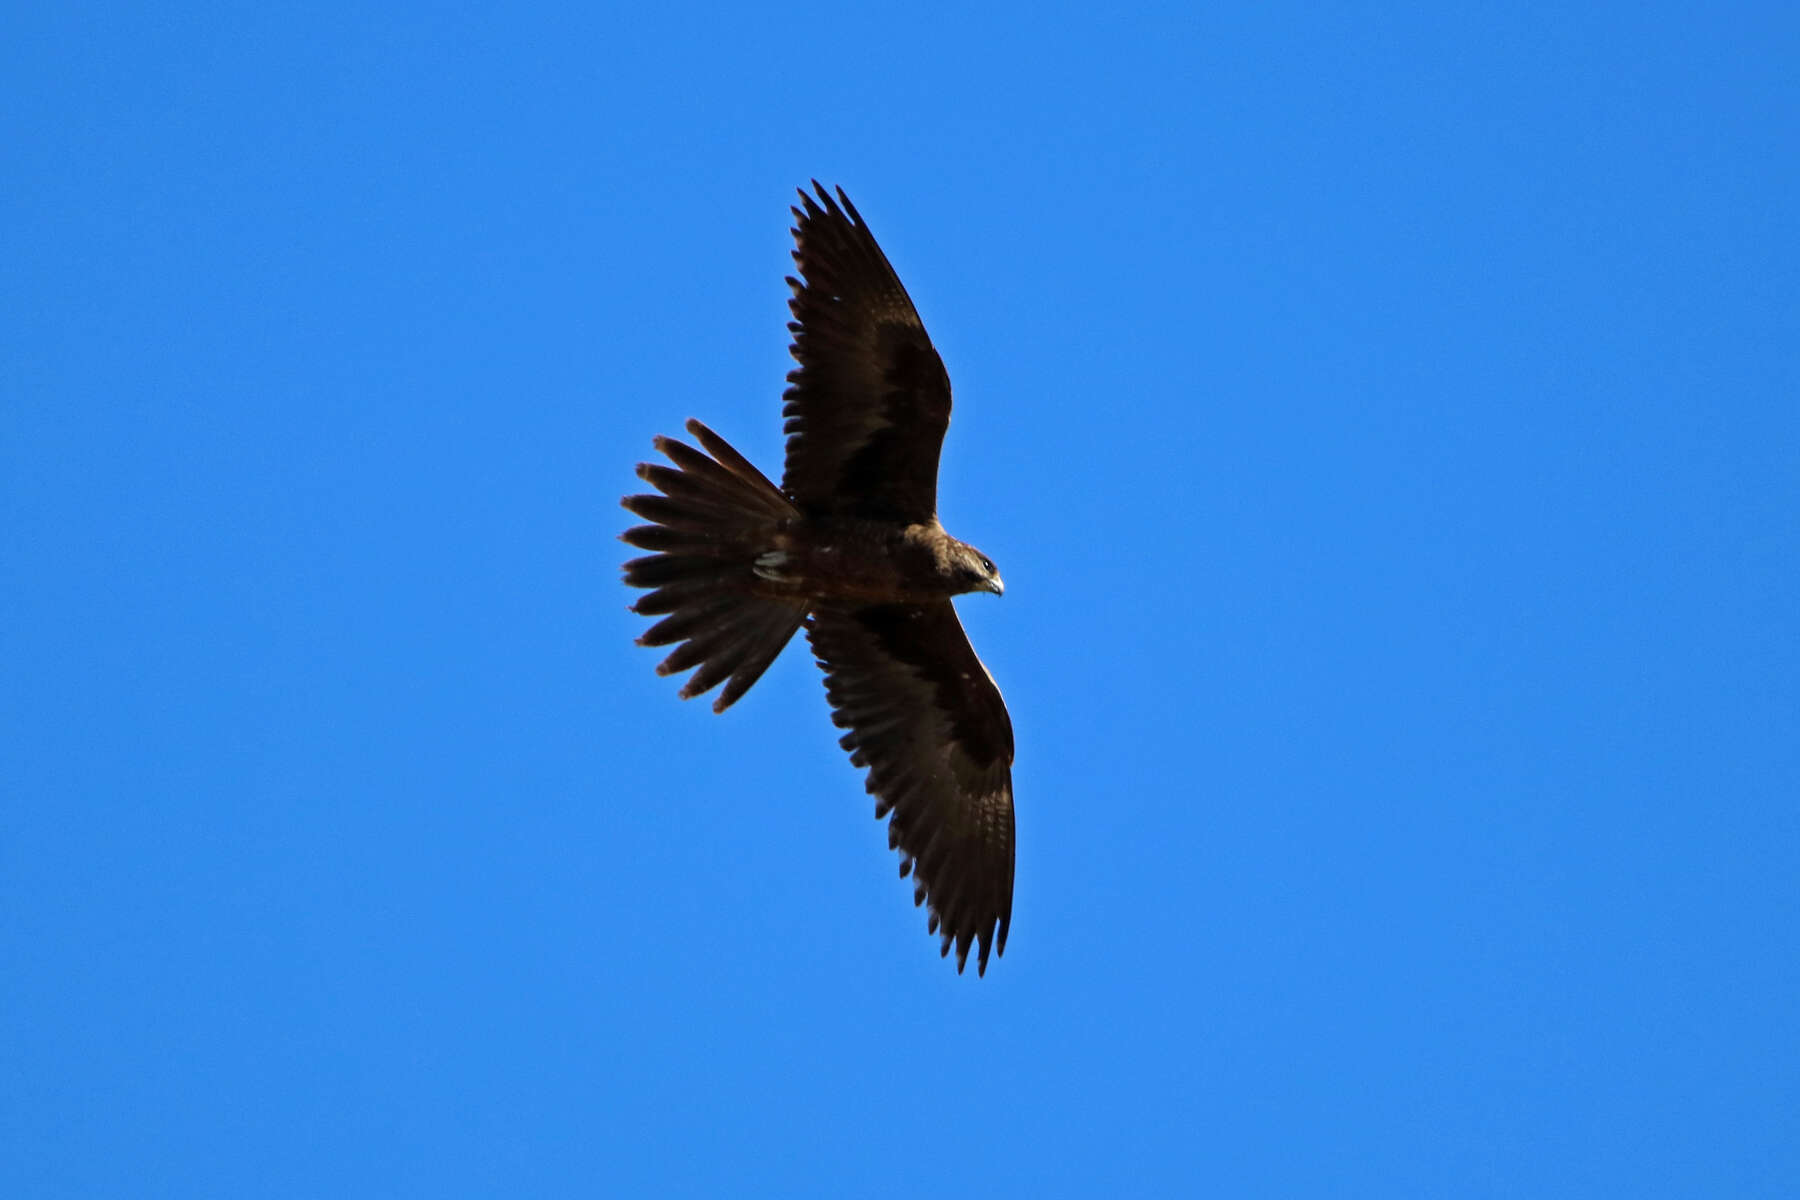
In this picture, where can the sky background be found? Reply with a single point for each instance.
(1385, 418)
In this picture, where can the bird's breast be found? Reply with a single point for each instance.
(867, 562)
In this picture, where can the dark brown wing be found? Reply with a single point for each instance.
(867, 407)
(926, 719)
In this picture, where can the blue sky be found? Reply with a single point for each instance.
(1384, 417)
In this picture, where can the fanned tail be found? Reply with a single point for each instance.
(714, 516)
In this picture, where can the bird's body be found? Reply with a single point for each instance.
(853, 560)
(849, 547)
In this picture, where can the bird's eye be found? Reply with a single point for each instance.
(987, 564)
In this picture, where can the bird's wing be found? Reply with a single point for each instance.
(927, 721)
(867, 407)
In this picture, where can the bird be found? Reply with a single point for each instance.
(849, 548)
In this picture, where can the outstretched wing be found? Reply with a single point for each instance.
(927, 721)
(868, 405)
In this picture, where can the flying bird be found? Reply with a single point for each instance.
(850, 548)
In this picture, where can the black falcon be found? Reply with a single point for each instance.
(850, 547)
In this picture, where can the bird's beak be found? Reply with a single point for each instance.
(997, 586)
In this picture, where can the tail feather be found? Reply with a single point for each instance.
(714, 516)
(696, 621)
(667, 540)
(701, 521)
(672, 598)
(737, 464)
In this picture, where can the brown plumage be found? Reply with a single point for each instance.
(850, 547)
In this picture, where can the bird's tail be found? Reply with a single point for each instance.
(714, 517)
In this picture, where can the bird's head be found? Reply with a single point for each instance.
(973, 571)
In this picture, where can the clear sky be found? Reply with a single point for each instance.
(1386, 419)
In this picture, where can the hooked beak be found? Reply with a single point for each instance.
(997, 586)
